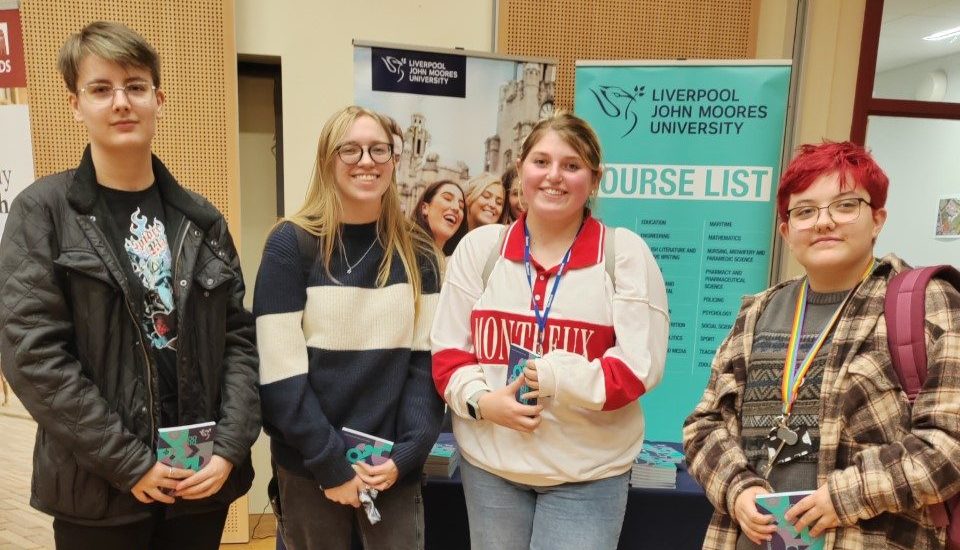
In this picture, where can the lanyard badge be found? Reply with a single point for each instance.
(795, 369)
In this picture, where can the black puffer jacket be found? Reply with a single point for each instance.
(72, 349)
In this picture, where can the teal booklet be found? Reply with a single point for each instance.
(786, 538)
(516, 361)
(189, 447)
(363, 447)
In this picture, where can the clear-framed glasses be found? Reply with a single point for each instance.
(841, 211)
(351, 153)
(102, 93)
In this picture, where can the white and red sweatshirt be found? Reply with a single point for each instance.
(604, 347)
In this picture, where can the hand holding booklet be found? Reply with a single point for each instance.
(516, 362)
(786, 537)
(372, 450)
(363, 447)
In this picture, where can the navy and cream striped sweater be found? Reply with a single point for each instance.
(347, 353)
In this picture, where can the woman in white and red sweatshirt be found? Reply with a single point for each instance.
(551, 474)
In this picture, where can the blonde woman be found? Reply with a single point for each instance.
(485, 197)
(344, 300)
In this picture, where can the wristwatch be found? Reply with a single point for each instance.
(473, 404)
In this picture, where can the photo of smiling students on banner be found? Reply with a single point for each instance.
(440, 212)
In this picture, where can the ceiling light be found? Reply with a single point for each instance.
(943, 35)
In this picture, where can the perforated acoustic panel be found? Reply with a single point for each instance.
(197, 135)
(625, 29)
(237, 527)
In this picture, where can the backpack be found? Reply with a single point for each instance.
(609, 255)
(905, 309)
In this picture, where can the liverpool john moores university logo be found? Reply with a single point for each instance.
(421, 73)
(616, 102)
(395, 66)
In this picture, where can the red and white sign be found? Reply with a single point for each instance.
(13, 70)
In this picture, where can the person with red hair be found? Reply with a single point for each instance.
(803, 394)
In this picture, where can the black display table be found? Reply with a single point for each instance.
(656, 519)
(674, 519)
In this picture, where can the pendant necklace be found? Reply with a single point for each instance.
(343, 253)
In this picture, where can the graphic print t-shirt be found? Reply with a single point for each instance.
(141, 241)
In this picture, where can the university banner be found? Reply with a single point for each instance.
(692, 155)
(16, 151)
(462, 113)
(13, 71)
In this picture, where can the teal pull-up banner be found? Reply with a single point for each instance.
(691, 163)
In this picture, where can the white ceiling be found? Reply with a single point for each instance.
(906, 22)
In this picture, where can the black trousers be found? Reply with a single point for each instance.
(190, 532)
(312, 522)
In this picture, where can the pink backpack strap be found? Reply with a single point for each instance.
(905, 310)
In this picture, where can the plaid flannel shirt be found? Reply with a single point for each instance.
(881, 459)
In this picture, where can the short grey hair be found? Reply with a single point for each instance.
(111, 41)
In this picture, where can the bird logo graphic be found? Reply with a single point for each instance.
(617, 102)
(395, 65)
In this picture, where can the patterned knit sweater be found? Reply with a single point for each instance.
(343, 352)
(762, 401)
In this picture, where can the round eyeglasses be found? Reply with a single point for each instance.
(841, 211)
(101, 93)
(351, 153)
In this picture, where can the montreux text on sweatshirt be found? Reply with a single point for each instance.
(494, 331)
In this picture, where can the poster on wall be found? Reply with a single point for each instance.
(692, 154)
(463, 114)
(948, 217)
(16, 153)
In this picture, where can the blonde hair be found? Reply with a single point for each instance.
(476, 187)
(322, 211)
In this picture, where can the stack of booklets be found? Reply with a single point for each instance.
(444, 457)
(656, 465)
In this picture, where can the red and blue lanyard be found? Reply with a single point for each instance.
(541, 318)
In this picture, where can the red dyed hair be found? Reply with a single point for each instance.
(854, 164)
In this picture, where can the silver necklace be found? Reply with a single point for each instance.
(343, 253)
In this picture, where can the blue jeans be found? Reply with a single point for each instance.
(571, 516)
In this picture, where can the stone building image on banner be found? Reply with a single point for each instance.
(522, 103)
(418, 168)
